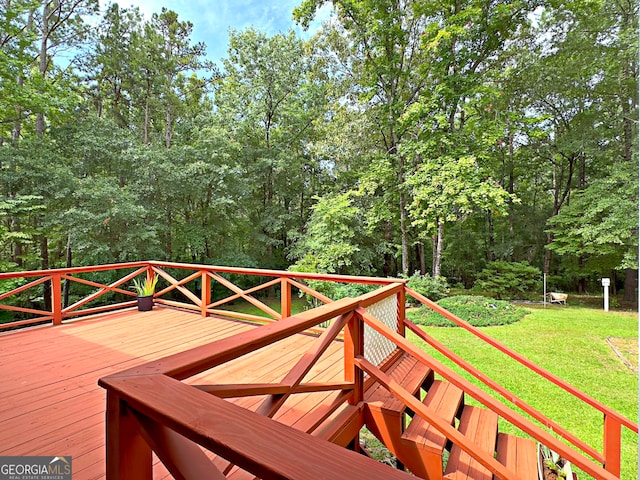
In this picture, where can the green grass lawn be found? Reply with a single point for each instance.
(571, 343)
(297, 305)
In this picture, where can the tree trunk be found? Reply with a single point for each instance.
(17, 246)
(403, 233)
(437, 251)
(631, 287)
(67, 282)
(17, 123)
(582, 281)
(388, 266)
(491, 255)
(423, 261)
(168, 133)
(43, 60)
(46, 286)
(403, 217)
(511, 190)
(147, 113)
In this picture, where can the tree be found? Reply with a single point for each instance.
(601, 224)
(383, 42)
(447, 190)
(453, 132)
(109, 65)
(587, 128)
(334, 240)
(270, 97)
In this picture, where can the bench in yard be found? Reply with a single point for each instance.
(560, 298)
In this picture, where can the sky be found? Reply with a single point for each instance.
(212, 19)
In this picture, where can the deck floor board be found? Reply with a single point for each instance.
(52, 404)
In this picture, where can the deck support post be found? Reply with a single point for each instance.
(128, 455)
(612, 445)
(354, 347)
(285, 298)
(56, 299)
(401, 311)
(205, 297)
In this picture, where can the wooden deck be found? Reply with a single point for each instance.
(52, 405)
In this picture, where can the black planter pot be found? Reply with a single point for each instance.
(145, 303)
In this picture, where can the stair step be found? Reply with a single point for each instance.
(481, 427)
(519, 455)
(446, 399)
(408, 372)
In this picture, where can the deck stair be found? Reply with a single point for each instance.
(420, 447)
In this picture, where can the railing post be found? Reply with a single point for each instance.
(285, 297)
(612, 444)
(353, 347)
(205, 297)
(401, 311)
(56, 298)
(128, 455)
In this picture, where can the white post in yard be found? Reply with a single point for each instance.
(544, 290)
(605, 284)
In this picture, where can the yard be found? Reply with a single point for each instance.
(575, 344)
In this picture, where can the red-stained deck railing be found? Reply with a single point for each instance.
(612, 423)
(138, 423)
(193, 287)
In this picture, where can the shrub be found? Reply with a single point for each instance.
(508, 279)
(434, 288)
(478, 311)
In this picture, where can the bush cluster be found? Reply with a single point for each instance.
(434, 288)
(509, 280)
(478, 311)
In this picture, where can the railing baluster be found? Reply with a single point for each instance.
(206, 293)
(285, 297)
(56, 298)
(612, 444)
(401, 311)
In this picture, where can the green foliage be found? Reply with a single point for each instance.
(356, 151)
(601, 220)
(448, 189)
(333, 290)
(478, 311)
(432, 288)
(147, 287)
(335, 237)
(508, 279)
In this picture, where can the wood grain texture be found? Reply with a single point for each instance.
(52, 403)
(264, 447)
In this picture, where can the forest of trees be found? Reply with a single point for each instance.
(406, 135)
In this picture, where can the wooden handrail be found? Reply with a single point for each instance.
(259, 445)
(200, 303)
(507, 394)
(488, 401)
(524, 361)
(485, 459)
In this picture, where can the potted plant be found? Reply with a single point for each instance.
(145, 291)
(552, 466)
